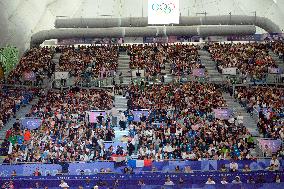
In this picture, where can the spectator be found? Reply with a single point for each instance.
(271, 167)
(277, 179)
(72, 123)
(122, 121)
(250, 180)
(181, 181)
(252, 59)
(141, 183)
(233, 166)
(237, 180)
(116, 184)
(37, 172)
(224, 180)
(168, 182)
(33, 65)
(246, 168)
(223, 168)
(163, 108)
(274, 163)
(14, 174)
(267, 151)
(177, 169)
(210, 181)
(63, 184)
(188, 169)
(269, 109)
(8, 185)
(101, 183)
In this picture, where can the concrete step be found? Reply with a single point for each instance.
(276, 58)
(203, 52)
(56, 55)
(120, 102)
(19, 114)
(205, 58)
(249, 121)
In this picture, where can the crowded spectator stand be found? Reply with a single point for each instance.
(176, 129)
(252, 60)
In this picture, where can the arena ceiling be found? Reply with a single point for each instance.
(21, 18)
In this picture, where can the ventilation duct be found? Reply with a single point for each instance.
(261, 22)
(202, 31)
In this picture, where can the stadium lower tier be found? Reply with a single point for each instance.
(258, 179)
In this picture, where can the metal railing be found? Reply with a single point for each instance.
(267, 79)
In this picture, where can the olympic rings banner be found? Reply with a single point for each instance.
(163, 11)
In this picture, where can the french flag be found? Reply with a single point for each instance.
(139, 163)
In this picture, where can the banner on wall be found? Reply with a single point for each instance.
(31, 123)
(274, 70)
(138, 113)
(273, 145)
(163, 11)
(89, 168)
(29, 169)
(229, 71)
(198, 72)
(73, 41)
(172, 39)
(29, 76)
(223, 113)
(244, 38)
(94, 114)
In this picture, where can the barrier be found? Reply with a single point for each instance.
(28, 169)
(223, 113)
(31, 123)
(272, 144)
(160, 166)
(131, 181)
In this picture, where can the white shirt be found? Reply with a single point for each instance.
(168, 183)
(63, 185)
(114, 112)
(275, 163)
(210, 182)
(224, 182)
(191, 155)
(168, 149)
(122, 117)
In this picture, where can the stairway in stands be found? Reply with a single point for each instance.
(56, 58)
(123, 67)
(214, 76)
(249, 121)
(168, 75)
(120, 103)
(19, 114)
(275, 57)
(210, 66)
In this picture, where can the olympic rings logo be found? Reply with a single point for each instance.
(165, 8)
